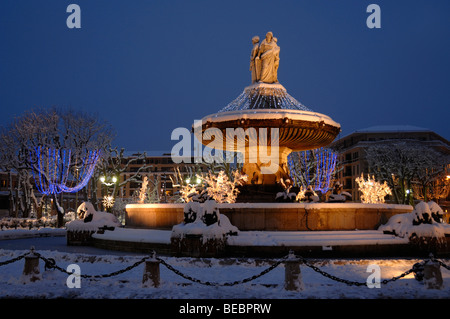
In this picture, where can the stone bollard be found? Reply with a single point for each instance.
(432, 275)
(292, 275)
(31, 268)
(151, 276)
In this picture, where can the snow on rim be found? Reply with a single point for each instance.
(265, 114)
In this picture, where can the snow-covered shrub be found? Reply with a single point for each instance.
(33, 223)
(418, 223)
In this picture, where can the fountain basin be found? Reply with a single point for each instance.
(274, 216)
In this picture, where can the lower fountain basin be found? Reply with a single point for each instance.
(274, 216)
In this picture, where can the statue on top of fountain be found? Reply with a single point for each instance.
(265, 59)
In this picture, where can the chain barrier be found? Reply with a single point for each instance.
(233, 283)
(349, 282)
(439, 262)
(14, 259)
(50, 263)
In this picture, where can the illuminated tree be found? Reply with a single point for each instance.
(313, 168)
(51, 145)
(372, 191)
(221, 188)
(436, 188)
(403, 164)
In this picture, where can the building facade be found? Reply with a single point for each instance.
(352, 161)
(161, 171)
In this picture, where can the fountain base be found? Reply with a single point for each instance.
(274, 216)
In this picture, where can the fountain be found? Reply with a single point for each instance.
(265, 124)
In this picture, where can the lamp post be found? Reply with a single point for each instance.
(108, 181)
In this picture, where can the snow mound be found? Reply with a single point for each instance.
(92, 219)
(419, 222)
(215, 231)
(200, 214)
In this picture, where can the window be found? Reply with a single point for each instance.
(348, 184)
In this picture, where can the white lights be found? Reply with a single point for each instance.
(372, 191)
(193, 181)
(108, 201)
(108, 181)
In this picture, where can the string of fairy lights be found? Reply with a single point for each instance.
(57, 170)
(252, 99)
(313, 168)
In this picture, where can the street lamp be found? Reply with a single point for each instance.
(197, 181)
(108, 182)
(108, 200)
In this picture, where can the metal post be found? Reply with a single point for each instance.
(432, 275)
(31, 267)
(151, 276)
(293, 275)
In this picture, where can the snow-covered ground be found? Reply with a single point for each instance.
(128, 285)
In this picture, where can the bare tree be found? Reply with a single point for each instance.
(115, 163)
(56, 129)
(317, 167)
(402, 164)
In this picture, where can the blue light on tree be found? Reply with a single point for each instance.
(312, 168)
(58, 170)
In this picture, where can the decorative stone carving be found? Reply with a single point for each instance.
(265, 59)
(255, 62)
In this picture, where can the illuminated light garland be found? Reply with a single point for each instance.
(53, 170)
(372, 191)
(313, 168)
(250, 99)
(108, 201)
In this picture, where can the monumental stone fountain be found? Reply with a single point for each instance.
(264, 123)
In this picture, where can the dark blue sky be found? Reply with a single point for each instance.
(148, 67)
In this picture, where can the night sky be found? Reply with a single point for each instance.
(148, 67)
